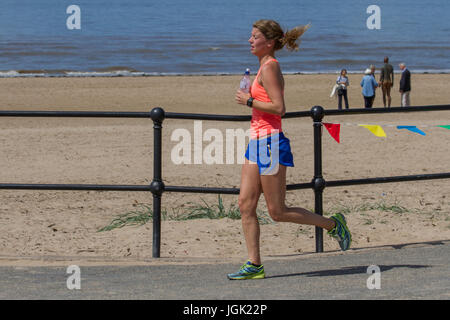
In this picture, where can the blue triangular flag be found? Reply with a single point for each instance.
(413, 129)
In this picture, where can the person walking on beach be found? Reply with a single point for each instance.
(343, 83)
(387, 81)
(368, 84)
(405, 85)
(268, 153)
(372, 73)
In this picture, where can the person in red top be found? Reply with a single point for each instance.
(268, 176)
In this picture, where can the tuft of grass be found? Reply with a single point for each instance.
(131, 218)
(378, 206)
(218, 211)
(215, 211)
(382, 206)
(144, 214)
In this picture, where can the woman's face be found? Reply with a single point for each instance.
(344, 73)
(258, 43)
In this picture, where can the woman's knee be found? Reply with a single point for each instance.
(276, 213)
(247, 205)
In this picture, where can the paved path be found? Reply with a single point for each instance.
(407, 272)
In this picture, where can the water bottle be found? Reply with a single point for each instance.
(245, 82)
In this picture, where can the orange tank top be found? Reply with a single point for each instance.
(262, 123)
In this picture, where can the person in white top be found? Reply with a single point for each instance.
(343, 83)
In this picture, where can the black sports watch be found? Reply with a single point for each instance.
(250, 102)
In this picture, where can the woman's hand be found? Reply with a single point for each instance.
(242, 97)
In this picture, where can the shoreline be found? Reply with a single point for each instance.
(127, 74)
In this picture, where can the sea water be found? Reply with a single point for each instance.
(146, 37)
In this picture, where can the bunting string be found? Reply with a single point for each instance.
(334, 129)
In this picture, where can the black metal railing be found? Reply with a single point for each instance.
(157, 186)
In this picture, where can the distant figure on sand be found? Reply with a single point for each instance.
(343, 83)
(368, 84)
(387, 81)
(405, 85)
(372, 73)
(268, 153)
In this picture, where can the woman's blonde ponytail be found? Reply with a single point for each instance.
(291, 37)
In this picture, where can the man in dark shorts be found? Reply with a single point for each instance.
(387, 81)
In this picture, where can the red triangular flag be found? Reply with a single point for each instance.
(334, 129)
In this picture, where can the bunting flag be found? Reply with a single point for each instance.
(412, 129)
(445, 127)
(375, 129)
(334, 130)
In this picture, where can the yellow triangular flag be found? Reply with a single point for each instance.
(375, 129)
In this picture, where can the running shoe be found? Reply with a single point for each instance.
(248, 271)
(340, 232)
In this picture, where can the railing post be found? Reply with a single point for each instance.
(317, 113)
(157, 185)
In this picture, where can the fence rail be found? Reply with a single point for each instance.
(214, 190)
(211, 117)
(157, 187)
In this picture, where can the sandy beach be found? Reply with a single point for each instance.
(46, 226)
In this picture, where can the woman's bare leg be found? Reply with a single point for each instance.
(250, 192)
(274, 188)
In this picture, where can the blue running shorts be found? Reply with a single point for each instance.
(269, 152)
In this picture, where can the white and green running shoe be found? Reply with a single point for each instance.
(248, 271)
(340, 232)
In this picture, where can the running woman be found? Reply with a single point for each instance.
(268, 153)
